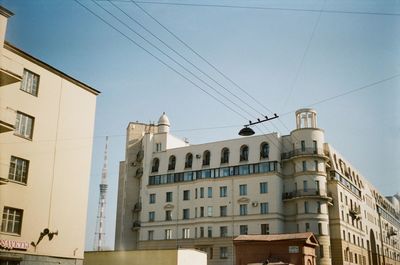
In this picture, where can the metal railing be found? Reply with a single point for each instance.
(302, 151)
(303, 193)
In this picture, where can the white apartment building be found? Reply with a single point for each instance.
(172, 195)
(46, 132)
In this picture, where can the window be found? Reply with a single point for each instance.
(317, 187)
(18, 169)
(243, 209)
(189, 160)
(243, 229)
(304, 164)
(316, 165)
(223, 231)
(186, 233)
(24, 125)
(264, 208)
(168, 196)
(209, 211)
(152, 216)
(209, 231)
(303, 146)
(223, 252)
(201, 211)
(307, 227)
(155, 165)
(264, 187)
(244, 153)
(319, 228)
(12, 220)
(168, 233)
(264, 150)
(321, 251)
(305, 185)
(168, 215)
(150, 234)
(171, 163)
(206, 158)
(201, 231)
(264, 229)
(10, 262)
(223, 211)
(30, 82)
(209, 192)
(186, 214)
(158, 147)
(225, 155)
(306, 208)
(152, 198)
(223, 191)
(315, 145)
(201, 192)
(186, 195)
(319, 208)
(243, 189)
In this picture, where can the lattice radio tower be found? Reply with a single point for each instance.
(101, 217)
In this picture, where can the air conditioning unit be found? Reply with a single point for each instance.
(254, 204)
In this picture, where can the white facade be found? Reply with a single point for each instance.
(45, 159)
(281, 184)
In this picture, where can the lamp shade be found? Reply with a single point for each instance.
(246, 131)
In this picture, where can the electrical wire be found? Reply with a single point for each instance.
(175, 61)
(262, 8)
(180, 55)
(157, 58)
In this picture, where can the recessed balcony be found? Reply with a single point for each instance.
(303, 152)
(310, 193)
(10, 71)
(7, 119)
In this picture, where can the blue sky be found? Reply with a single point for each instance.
(287, 59)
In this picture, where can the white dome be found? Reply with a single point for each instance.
(163, 120)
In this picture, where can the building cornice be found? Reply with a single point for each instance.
(5, 12)
(50, 68)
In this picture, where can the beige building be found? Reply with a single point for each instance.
(46, 129)
(173, 194)
(145, 257)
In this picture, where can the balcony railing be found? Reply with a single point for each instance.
(302, 151)
(137, 207)
(135, 225)
(10, 71)
(7, 119)
(303, 193)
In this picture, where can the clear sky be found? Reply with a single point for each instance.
(287, 55)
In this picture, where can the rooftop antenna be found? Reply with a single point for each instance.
(99, 234)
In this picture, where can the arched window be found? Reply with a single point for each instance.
(264, 150)
(155, 165)
(206, 158)
(189, 160)
(171, 163)
(225, 155)
(244, 153)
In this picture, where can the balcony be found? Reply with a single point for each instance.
(305, 193)
(10, 71)
(7, 119)
(392, 232)
(302, 152)
(137, 207)
(355, 212)
(136, 225)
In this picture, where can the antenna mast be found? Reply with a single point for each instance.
(101, 217)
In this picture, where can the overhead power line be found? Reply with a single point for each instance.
(159, 59)
(332, 11)
(181, 56)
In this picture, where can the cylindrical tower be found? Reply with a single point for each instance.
(308, 188)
